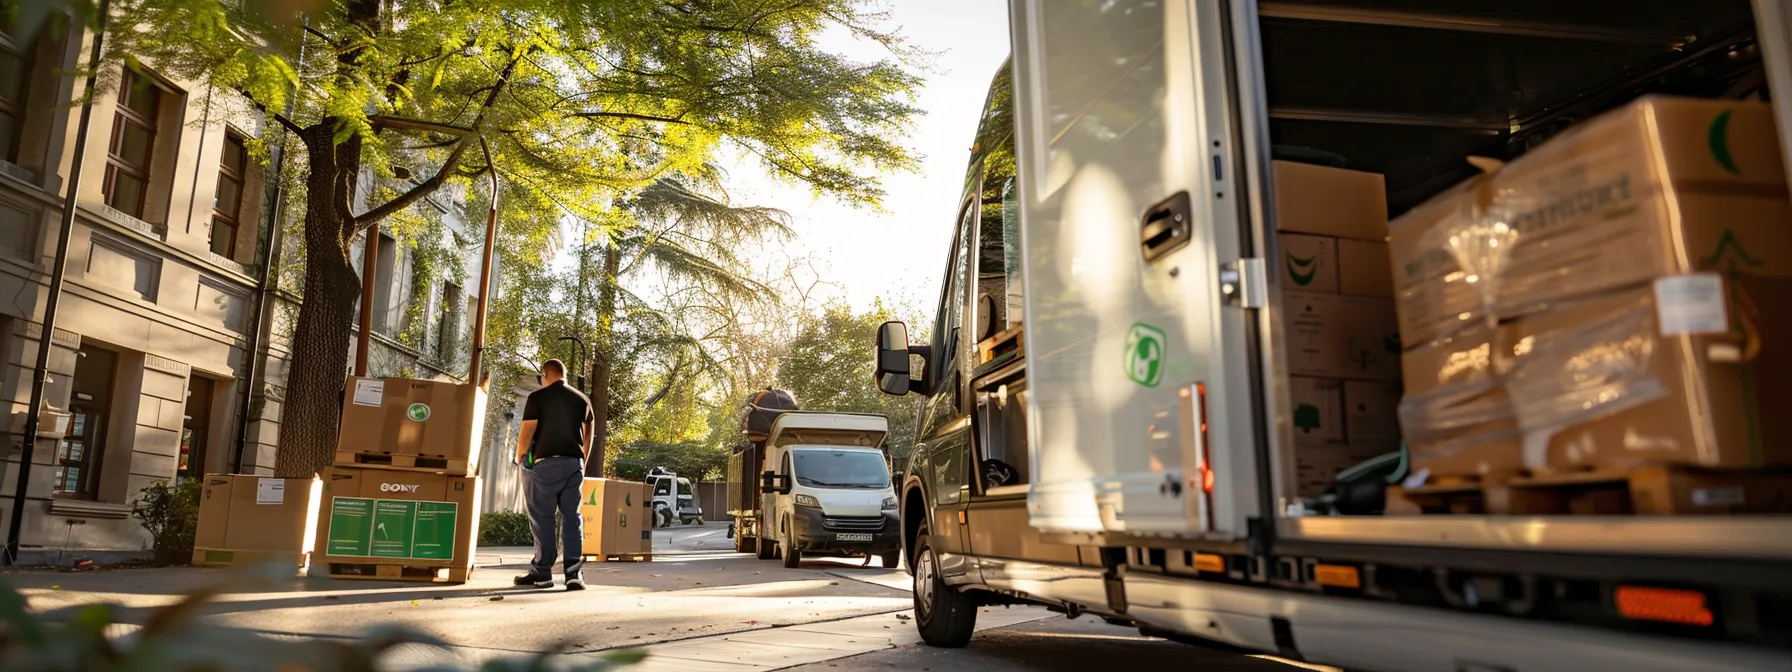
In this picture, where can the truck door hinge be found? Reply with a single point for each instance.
(1245, 283)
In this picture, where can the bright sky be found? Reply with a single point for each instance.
(900, 254)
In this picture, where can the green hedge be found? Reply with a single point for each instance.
(505, 528)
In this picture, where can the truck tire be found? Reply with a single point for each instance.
(767, 549)
(945, 617)
(793, 556)
(662, 517)
(891, 559)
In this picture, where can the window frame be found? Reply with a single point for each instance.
(233, 142)
(122, 114)
(21, 50)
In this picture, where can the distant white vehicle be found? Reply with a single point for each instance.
(674, 499)
(826, 488)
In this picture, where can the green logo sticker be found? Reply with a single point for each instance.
(1306, 417)
(592, 500)
(417, 412)
(1297, 266)
(1145, 354)
(628, 499)
(1719, 139)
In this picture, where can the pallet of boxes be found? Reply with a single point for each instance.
(1599, 326)
(402, 500)
(1342, 350)
(618, 518)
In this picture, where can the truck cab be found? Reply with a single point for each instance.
(827, 488)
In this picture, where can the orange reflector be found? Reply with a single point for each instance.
(1208, 562)
(963, 519)
(1337, 576)
(1206, 478)
(1666, 605)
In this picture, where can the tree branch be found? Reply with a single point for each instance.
(631, 115)
(426, 187)
(407, 123)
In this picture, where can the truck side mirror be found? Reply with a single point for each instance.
(892, 374)
(773, 483)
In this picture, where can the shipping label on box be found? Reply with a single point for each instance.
(1309, 263)
(1335, 336)
(1318, 409)
(1371, 416)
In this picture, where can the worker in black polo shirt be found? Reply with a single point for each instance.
(554, 442)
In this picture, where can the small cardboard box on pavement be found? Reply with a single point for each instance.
(256, 519)
(400, 423)
(618, 519)
(396, 525)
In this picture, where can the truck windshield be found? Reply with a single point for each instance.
(841, 469)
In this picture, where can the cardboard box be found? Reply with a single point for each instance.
(401, 416)
(398, 519)
(1309, 263)
(618, 517)
(1318, 409)
(1652, 376)
(1363, 268)
(1333, 336)
(1316, 466)
(256, 518)
(1663, 186)
(1330, 201)
(1372, 415)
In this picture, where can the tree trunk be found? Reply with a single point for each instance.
(603, 348)
(320, 348)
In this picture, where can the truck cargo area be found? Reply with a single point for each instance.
(1409, 90)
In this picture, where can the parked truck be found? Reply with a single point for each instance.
(1129, 404)
(746, 464)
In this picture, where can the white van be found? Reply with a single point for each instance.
(827, 488)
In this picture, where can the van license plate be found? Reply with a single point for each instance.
(852, 536)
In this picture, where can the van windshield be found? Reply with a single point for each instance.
(821, 468)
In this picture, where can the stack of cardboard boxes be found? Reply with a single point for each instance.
(1617, 297)
(1342, 342)
(256, 519)
(618, 519)
(402, 501)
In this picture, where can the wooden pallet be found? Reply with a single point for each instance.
(620, 557)
(399, 571)
(1652, 490)
(402, 462)
(222, 557)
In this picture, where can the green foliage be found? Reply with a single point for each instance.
(505, 528)
(176, 639)
(828, 368)
(171, 515)
(696, 460)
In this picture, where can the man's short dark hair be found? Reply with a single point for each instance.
(555, 367)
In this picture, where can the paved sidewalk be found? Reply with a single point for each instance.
(779, 648)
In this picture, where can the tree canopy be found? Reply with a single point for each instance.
(580, 107)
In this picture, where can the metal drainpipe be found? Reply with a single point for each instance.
(271, 241)
(46, 340)
(485, 271)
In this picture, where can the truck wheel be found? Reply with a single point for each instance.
(793, 556)
(891, 559)
(767, 549)
(944, 616)
(662, 518)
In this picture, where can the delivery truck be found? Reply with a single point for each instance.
(1185, 373)
(746, 466)
(827, 489)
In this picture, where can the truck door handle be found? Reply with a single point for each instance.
(1165, 227)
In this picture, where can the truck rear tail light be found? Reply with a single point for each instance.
(1337, 576)
(1663, 605)
(1208, 562)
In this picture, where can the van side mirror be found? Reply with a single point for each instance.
(893, 374)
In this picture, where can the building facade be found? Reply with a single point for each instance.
(162, 313)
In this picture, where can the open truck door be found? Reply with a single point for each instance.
(1144, 298)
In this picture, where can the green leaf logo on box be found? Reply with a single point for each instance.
(1145, 354)
(1719, 138)
(593, 499)
(417, 412)
(1306, 417)
(1297, 266)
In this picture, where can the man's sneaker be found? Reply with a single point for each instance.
(575, 583)
(535, 580)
